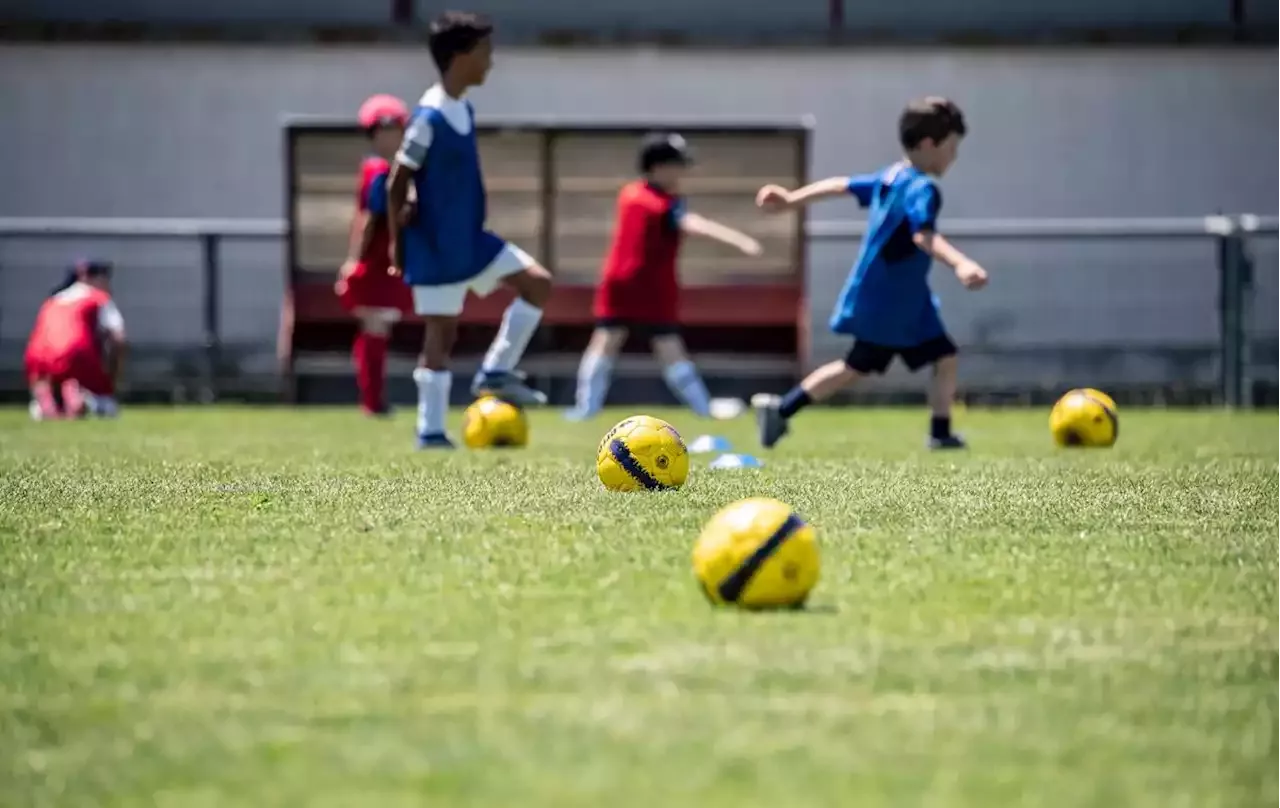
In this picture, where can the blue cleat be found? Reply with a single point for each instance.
(435, 440)
(508, 385)
(770, 423)
(949, 442)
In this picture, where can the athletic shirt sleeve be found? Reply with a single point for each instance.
(110, 319)
(417, 139)
(675, 213)
(922, 203)
(374, 198)
(863, 187)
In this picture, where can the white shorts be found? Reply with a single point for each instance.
(447, 300)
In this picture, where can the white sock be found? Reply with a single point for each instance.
(594, 375)
(519, 322)
(686, 383)
(433, 399)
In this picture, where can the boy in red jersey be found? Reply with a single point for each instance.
(365, 285)
(76, 347)
(639, 289)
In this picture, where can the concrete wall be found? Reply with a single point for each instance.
(702, 18)
(194, 131)
(327, 12)
(1261, 12)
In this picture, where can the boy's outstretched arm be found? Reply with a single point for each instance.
(968, 271)
(775, 198)
(696, 225)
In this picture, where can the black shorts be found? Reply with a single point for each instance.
(870, 358)
(644, 329)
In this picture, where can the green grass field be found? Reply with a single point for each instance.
(292, 608)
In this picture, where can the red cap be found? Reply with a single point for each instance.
(382, 110)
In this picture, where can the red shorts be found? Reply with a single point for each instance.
(83, 365)
(370, 287)
(652, 304)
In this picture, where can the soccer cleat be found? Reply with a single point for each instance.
(105, 407)
(509, 385)
(949, 442)
(771, 424)
(436, 440)
(383, 411)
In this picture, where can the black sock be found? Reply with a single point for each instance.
(794, 401)
(940, 426)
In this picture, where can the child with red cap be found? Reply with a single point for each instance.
(365, 285)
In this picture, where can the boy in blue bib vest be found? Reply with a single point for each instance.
(886, 305)
(444, 251)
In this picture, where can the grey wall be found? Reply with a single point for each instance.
(1260, 12)
(195, 131)
(367, 12)
(703, 18)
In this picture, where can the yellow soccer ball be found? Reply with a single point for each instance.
(493, 423)
(642, 454)
(1085, 417)
(757, 554)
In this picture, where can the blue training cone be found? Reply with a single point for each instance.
(736, 461)
(706, 444)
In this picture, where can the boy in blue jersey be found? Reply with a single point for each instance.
(886, 304)
(444, 250)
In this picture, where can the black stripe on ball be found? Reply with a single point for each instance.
(1111, 415)
(632, 466)
(731, 588)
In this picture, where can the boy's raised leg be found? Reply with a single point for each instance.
(498, 375)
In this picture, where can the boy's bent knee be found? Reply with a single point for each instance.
(532, 284)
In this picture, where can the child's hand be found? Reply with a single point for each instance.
(773, 199)
(348, 267)
(971, 275)
(751, 247)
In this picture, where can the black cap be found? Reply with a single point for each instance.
(85, 268)
(663, 148)
(93, 267)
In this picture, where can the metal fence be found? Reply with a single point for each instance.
(181, 283)
(1081, 266)
(205, 295)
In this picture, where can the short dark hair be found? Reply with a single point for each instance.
(454, 33)
(663, 149)
(932, 118)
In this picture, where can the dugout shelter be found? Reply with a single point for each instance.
(552, 189)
